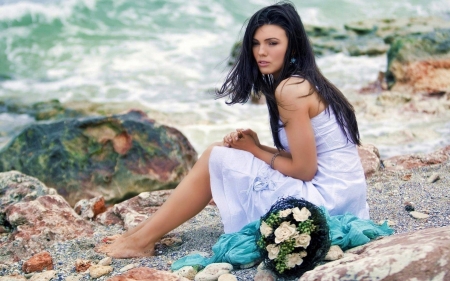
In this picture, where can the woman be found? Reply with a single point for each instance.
(314, 130)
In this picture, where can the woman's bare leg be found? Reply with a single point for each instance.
(188, 199)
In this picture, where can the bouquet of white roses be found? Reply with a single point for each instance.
(294, 237)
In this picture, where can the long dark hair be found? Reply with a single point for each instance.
(245, 77)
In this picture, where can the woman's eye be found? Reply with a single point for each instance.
(273, 43)
(255, 44)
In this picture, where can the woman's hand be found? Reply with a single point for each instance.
(251, 133)
(233, 136)
(243, 139)
(231, 139)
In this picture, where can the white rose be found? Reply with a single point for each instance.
(273, 251)
(265, 229)
(303, 254)
(301, 215)
(285, 213)
(284, 232)
(293, 259)
(302, 240)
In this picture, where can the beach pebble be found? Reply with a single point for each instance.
(433, 178)
(38, 262)
(171, 241)
(378, 186)
(82, 265)
(334, 253)
(73, 278)
(265, 275)
(13, 278)
(418, 215)
(248, 265)
(227, 277)
(43, 276)
(105, 261)
(188, 272)
(213, 271)
(389, 222)
(406, 177)
(99, 270)
(409, 206)
(128, 267)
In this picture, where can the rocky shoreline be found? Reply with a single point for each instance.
(393, 195)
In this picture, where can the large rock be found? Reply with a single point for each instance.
(403, 162)
(420, 63)
(370, 159)
(147, 274)
(131, 212)
(40, 223)
(422, 255)
(115, 157)
(16, 187)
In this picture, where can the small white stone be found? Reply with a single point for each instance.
(73, 278)
(434, 177)
(389, 222)
(106, 261)
(144, 195)
(248, 265)
(128, 267)
(418, 215)
(188, 272)
(334, 253)
(43, 276)
(213, 271)
(99, 270)
(227, 277)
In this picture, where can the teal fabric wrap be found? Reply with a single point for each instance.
(348, 231)
(239, 248)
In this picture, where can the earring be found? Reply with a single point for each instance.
(293, 60)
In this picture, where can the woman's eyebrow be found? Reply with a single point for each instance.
(271, 38)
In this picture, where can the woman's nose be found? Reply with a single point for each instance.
(261, 50)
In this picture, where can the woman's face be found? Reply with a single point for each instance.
(269, 47)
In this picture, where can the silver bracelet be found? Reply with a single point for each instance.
(273, 159)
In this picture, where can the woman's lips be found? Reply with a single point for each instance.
(263, 63)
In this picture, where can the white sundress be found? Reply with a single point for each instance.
(245, 187)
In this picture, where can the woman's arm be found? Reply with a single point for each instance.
(295, 107)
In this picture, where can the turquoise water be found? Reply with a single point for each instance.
(168, 55)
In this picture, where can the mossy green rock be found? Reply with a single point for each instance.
(117, 156)
(429, 49)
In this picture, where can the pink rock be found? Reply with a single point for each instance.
(370, 159)
(42, 222)
(421, 255)
(417, 160)
(16, 187)
(131, 212)
(428, 76)
(147, 274)
(38, 262)
(90, 208)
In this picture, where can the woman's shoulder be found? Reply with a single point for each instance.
(292, 88)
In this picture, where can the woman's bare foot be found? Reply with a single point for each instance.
(124, 248)
(112, 238)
